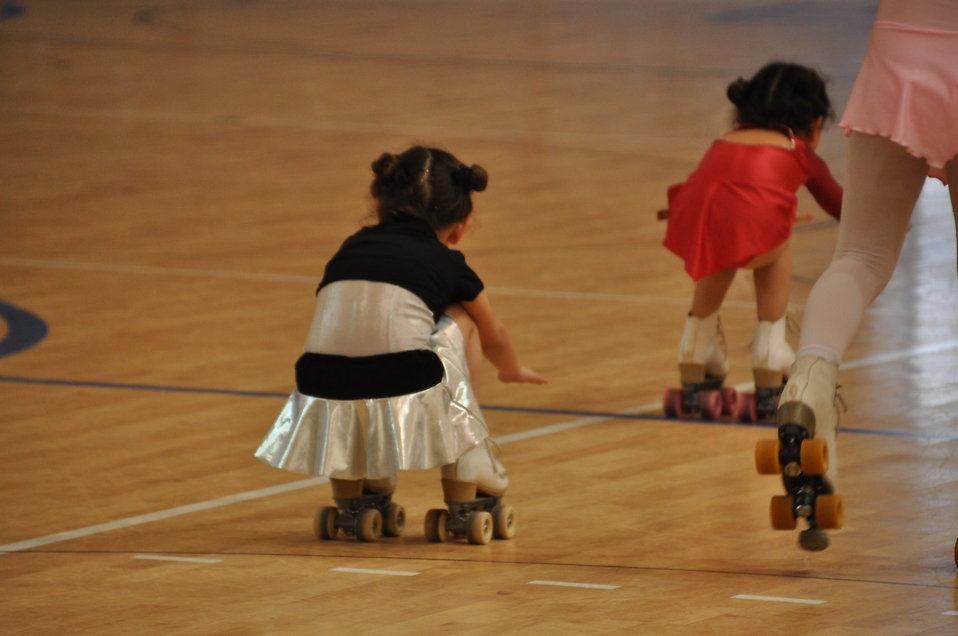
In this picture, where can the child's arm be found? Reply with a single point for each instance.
(823, 186)
(496, 344)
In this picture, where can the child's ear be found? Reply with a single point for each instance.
(459, 230)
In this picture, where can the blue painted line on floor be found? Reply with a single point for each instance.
(926, 435)
(138, 387)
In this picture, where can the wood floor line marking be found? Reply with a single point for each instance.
(591, 586)
(901, 354)
(255, 494)
(159, 515)
(778, 599)
(296, 278)
(591, 417)
(160, 557)
(371, 571)
(305, 483)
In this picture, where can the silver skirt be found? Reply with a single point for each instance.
(376, 438)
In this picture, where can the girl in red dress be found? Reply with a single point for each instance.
(736, 210)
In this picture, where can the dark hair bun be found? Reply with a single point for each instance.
(478, 178)
(736, 91)
(781, 95)
(425, 183)
(385, 165)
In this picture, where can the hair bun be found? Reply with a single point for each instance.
(385, 165)
(476, 178)
(736, 91)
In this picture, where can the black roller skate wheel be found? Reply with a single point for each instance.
(813, 539)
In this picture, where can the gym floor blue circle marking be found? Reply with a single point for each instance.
(24, 329)
(11, 10)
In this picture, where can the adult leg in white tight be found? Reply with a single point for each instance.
(882, 184)
(952, 169)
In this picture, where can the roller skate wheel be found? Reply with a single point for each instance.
(324, 523)
(814, 456)
(672, 403)
(813, 539)
(710, 404)
(479, 527)
(730, 401)
(766, 457)
(435, 525)
(747, 408)
(504, 522)
(369, 524)
(829, 511)
(782, 511)
(394, 520)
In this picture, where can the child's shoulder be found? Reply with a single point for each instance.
(753, 136)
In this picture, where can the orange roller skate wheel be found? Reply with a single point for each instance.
(829, 512)
(814, 456)
(782, 511)
(766, 457)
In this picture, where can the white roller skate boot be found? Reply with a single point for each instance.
(805, 453)
(772, 357)
(703, 365)
(472, 489)
(364, 509)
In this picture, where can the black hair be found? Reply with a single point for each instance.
(425, 183)
(781, 94)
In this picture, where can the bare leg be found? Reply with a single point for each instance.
(346, 488)
(470, 335)
(710, 292)
(773, 283)
(352, 488)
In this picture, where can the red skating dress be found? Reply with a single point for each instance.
(740, 203)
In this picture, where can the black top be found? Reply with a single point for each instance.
(406, 252)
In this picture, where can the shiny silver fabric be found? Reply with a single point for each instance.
(365, 318)
(375, 438)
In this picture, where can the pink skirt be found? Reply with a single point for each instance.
(907, 91)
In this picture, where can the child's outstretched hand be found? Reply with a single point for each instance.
(525, 374)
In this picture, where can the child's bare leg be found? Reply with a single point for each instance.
(346, 488)
(470, 336)
(771, 354)
(772, 274)
(352, 488)
(710, 292)
(702, 347)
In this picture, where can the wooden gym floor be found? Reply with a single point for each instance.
(175, 175)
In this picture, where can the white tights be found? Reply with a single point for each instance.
(882, 184)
